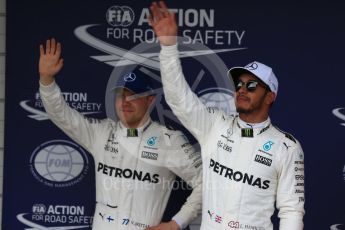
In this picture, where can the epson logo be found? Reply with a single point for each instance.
(299, 177)
(149, 155)
(263, 160)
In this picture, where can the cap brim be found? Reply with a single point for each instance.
(235, 72)
(121, 87)
(136, 95)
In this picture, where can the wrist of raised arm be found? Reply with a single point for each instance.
(46, 80)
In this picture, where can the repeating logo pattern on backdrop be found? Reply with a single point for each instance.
(77, 100)
(194, 41)
(340, 113)
(52, 216)
(59, 163)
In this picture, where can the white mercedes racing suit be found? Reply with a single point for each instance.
(134, 175)
(245, 171)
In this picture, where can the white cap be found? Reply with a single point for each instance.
(261, 71)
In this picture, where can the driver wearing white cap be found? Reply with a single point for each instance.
(249, 166)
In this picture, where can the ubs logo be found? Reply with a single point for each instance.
(224, 146)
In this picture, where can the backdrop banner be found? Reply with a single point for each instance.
(49, 179)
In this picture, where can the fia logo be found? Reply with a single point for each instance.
(268, 145)
(120, 16)
(39, 209)
(151, 141)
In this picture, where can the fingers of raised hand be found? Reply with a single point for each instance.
(164, 9)
(47, 51)
(158, 12)
(51, 47)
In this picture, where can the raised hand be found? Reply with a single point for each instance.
(50, 62)
(163, 23)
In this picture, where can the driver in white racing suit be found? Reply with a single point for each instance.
(248, 164)
(136, 159)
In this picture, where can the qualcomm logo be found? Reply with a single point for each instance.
(337, 112)
(59, 163)
(76, 100)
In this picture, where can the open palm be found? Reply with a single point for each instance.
(163, 23)
(50, 62)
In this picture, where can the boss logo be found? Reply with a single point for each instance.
(149, 155)
(263, 160)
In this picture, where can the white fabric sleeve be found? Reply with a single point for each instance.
(185, 161)
(178, 222)
(74, 124)
(192, 113)
(290, 191)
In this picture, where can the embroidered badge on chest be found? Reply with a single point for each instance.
(132, 132)
(247, 132)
